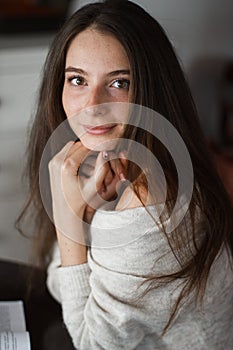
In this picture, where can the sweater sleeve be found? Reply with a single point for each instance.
(52, 274)
(103, 304)
(99, 309)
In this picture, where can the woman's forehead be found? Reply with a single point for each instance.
(92, 47)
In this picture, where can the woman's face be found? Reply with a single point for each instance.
(97, 74)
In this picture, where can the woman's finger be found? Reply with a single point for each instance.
(101, 170)
(74, 157)
(88, 214)
(117, 167)
(85, 170)
(109, 177)
(123, 159)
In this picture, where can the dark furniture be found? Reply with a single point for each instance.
(43, 313)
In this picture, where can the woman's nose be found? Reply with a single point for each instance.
(97, 102)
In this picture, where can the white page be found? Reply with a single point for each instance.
(14, 341)
(12, 316)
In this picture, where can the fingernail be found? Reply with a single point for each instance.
(105, 155)
(123, 154)
(103, 190)
(122, 177)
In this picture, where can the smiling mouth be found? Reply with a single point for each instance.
(99, 130)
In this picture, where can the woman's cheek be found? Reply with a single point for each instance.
(70, 102)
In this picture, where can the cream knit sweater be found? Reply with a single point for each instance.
(99, 298)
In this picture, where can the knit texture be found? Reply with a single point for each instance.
(101, 303)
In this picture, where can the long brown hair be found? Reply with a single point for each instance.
(158, 83)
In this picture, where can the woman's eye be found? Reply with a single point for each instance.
(121, 84)
(77, 80)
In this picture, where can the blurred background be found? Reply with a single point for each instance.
(201, 32)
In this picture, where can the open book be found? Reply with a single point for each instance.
(13, 334)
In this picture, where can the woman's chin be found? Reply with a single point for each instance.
(99, 145)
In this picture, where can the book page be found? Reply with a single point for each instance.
(13, 335)
(14, 341)
(12, 316)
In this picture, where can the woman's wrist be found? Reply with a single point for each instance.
(72, 243)
(72, 252)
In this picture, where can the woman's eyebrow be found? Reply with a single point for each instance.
(110, 74)
(76, 70)
(119, 72)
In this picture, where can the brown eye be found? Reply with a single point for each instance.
(77, 80)
(121, 84)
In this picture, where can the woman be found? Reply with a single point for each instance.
(163, 288)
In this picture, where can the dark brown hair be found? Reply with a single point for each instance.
(158, 83)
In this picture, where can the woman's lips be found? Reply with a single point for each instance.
(98, 130)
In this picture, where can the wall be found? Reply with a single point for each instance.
(202, 33)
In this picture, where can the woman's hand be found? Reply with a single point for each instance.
(115, 169)
(80, 182)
